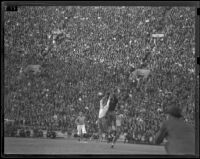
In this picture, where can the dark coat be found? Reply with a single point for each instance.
(180, 136)
(113, 103)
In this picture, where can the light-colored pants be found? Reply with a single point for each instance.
(81, 128)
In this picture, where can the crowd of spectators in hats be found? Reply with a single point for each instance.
(84, 51)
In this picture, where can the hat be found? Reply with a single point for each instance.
(174, 111)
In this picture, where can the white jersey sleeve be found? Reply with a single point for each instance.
(103, 110)
(101, 104)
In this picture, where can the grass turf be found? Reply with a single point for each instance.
(72, 146)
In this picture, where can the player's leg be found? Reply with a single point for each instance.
(83, 131)
(79, 132)
(117, 135)
(109, 126)
(113, 120)
(101, 128)
(125, 138)
(106, 127)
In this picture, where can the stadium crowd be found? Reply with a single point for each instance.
(84, 51)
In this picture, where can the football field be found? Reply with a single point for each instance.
(72, 146)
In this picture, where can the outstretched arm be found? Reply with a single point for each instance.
(101, 104)
(107, 104)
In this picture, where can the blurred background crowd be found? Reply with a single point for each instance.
(85, 51)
